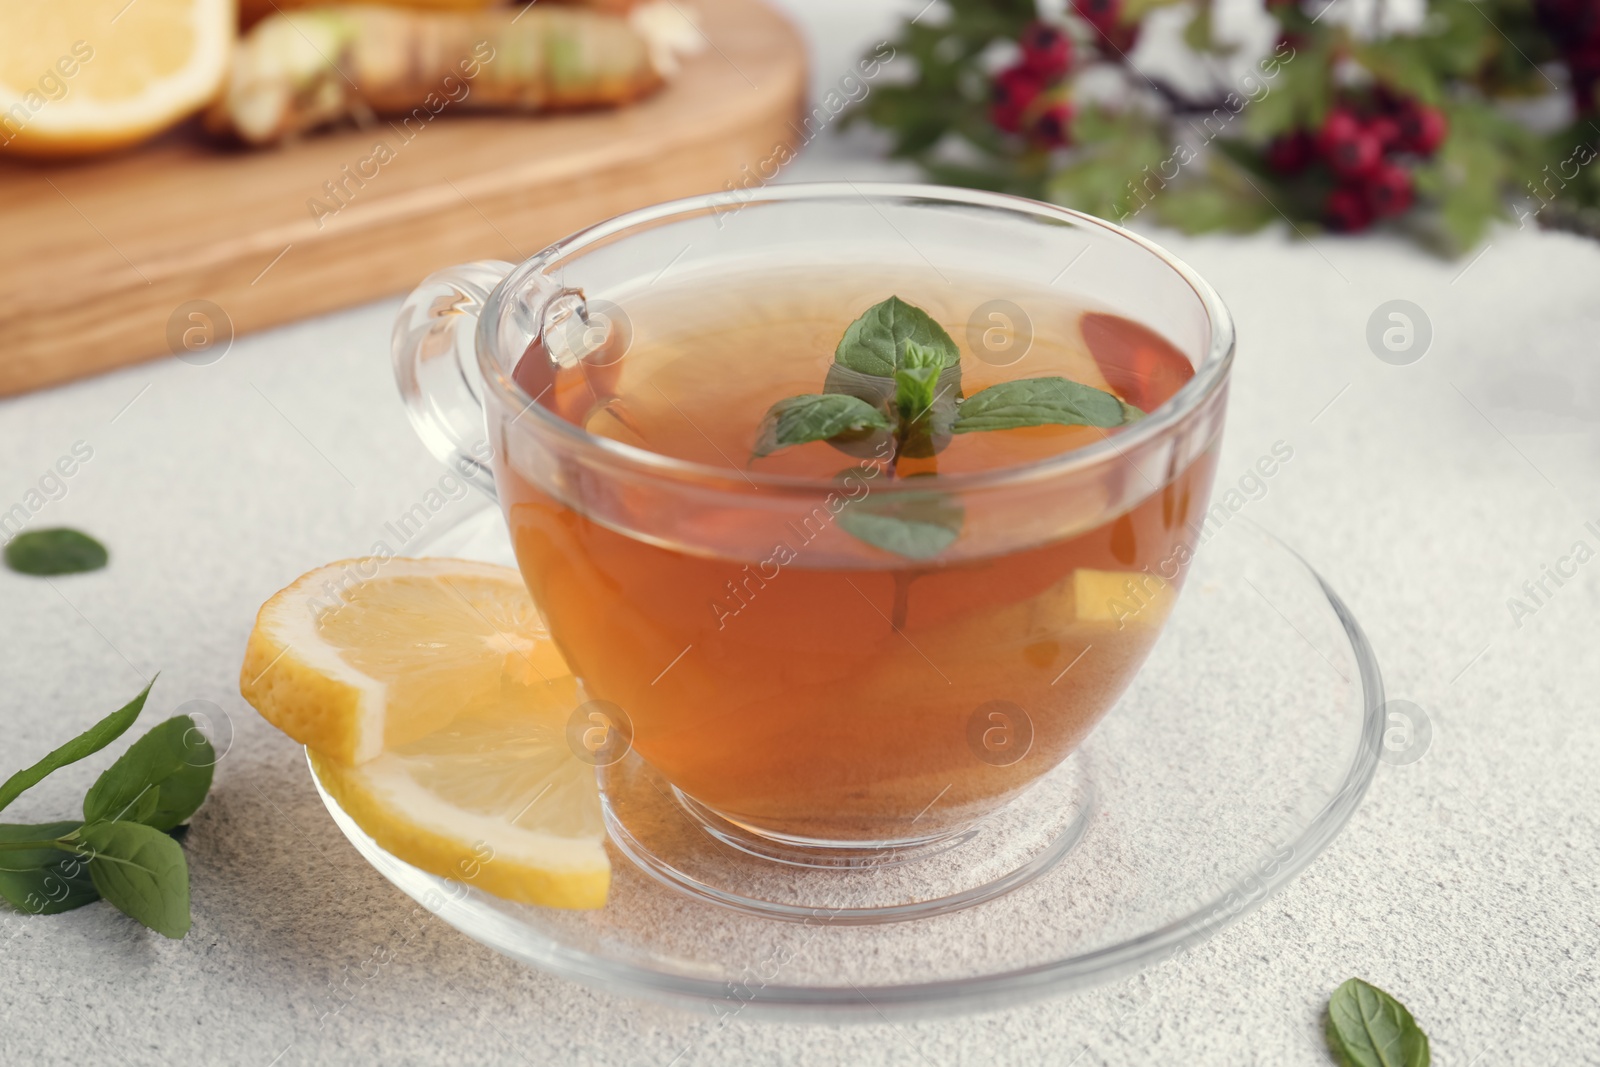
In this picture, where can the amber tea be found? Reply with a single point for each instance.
(856, 667)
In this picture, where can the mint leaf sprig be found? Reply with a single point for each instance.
(896, 370)
(123, 849)
(894, 391)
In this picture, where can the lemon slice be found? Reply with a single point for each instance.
(80, 76)
(435, 707)
(495, 800)
(367, 654)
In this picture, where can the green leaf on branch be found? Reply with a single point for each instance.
(1226, 200)
(43, 881)
(1300, 95)
(1399, 65)
(1367, 1027)
(1118, 167)
(1207, 208)
(1135, 10)
(142, 872)
(1042, 402)
(1466, 180)
(172, 765)
(797, 420)
(1200, 36)
(1197, 34)
(85, 744)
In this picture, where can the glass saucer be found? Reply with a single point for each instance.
(1236, 755)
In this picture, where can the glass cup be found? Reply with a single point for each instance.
(798, 687)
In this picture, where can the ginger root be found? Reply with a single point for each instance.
(253, 11)
(300, 70)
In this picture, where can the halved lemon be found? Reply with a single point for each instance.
(81, 76)
(435, 707)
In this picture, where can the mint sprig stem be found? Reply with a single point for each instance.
(21, 846)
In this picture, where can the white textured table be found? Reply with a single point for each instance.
(1466, 883)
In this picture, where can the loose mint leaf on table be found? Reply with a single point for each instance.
(43, 881)
(875, 343)
(87, 743)
(1042, 402)
(171, 765)
(916, 525)
(1369, 1028)
(142, 872)
(795, 420)
(55, 551)
(126, 850)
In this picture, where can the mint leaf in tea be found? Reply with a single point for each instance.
(796, 420)
(1042, 402)
(876, 342)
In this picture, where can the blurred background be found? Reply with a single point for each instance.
(177, 150)
(173, 151)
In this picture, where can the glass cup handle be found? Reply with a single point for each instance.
(436, 367)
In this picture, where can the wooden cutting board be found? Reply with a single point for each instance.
(95, 259)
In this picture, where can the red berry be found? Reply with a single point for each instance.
(1017, 87)
(1347, 210)
(1005, 118)
(1357, 156)
(1348, 146)
(1053, 127)
(1046, 50)
(1291, 153)
(1101, 14)
(1568, 22)
(1119, 39)
(1388, 190)
(1421, 129)
(1386, 130)
(1106, 18)
(1341, 124)
(1015, 90)
(1583, 63)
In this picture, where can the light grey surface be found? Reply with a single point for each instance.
(1466, 884)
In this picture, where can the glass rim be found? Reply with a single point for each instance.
(1210, 373)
